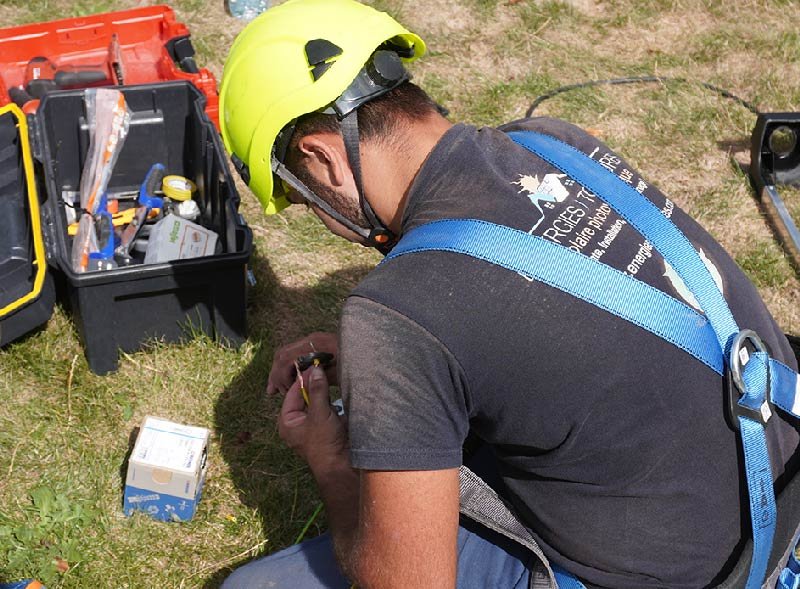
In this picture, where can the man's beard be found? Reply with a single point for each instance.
(340, 202)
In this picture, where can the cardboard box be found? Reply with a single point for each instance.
(166, 470)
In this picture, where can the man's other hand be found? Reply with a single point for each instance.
(282, 374)
(315, 431)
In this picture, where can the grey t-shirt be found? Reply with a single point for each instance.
(611, 443)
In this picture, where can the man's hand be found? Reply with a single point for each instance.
(315, 432)
(395, 529)
(319, 436)
(283, 374)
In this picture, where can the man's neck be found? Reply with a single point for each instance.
(390, 168)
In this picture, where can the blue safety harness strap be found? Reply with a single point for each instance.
(790, 576)
(645, 217)
(581, 276)
(762, 379)
(565, 579)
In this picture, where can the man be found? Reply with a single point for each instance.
(609, 443)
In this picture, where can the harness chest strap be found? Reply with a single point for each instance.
(761, 380)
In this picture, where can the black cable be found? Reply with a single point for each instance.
(637, 80)
(76, 207)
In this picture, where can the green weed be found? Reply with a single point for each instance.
(627, 13)
(48, 536)
(47, 10)
(788, 46)
(713, 204)
(501, 100)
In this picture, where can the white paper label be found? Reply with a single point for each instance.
(164, 444)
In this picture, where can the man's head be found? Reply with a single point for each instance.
(304, 79)
(385, 125)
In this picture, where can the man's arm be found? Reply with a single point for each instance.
(408, 524)
(390, 529)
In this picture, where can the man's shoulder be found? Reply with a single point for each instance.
(558, 128)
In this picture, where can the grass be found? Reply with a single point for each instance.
(537, 15)
(766, 264)
(65, 433)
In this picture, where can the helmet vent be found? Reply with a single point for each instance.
(320, 54)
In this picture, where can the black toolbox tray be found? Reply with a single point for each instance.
(121, 309)
(27, 294)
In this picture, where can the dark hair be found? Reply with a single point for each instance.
(377, 119)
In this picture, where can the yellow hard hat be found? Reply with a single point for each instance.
(296, 58)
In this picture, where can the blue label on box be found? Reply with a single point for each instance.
(160, 505)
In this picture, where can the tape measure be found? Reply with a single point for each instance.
(178, 188)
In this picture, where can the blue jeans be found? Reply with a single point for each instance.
(485, 560)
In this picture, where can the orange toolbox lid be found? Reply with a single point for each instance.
(138, 46)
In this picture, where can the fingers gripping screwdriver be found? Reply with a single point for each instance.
(305, 362)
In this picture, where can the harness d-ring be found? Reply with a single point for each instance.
(738, 357)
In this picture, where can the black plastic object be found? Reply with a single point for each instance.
(182, 53)
(121, 309)
(320, 54)
(775, 149)
(19, 96)
(305, 362)
(17, 269)
(81, 78)
(775, 160)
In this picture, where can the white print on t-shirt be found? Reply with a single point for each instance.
(680, 286)
(645, 251)
(550, 190)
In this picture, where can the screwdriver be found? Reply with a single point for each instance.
(307, 361)
(303, 390)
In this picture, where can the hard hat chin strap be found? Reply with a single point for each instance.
(383, 72)
(312, 197)
(380, 236)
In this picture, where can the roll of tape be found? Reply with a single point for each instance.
(178, 187)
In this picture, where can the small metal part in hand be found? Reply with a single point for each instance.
(305, 362)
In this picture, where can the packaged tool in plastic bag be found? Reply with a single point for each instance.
(108, 118)
(84, 244)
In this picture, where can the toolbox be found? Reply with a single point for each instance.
(138, 46)
(42, 156)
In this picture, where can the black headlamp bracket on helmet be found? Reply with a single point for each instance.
(383, 72)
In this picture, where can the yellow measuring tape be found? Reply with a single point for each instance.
(178, 188)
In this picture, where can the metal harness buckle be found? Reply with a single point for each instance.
(735, 386)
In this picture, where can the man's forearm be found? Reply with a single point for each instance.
(338, 484)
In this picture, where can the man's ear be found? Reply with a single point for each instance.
(325, 157)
